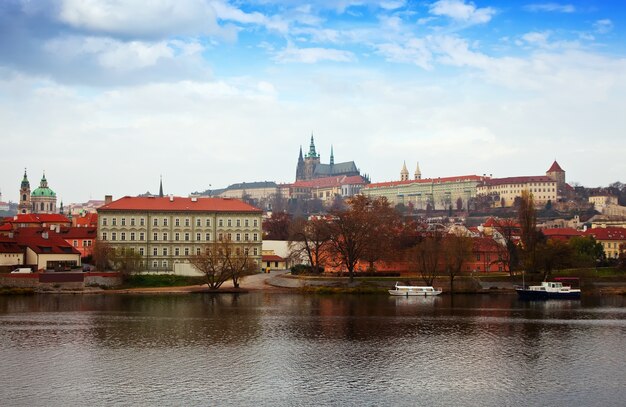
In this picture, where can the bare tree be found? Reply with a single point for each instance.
(425, 257)
(213, 262)
(126, 261)
(240, 264)
(457, 250)
(102, 255)
(310, 239)
(528, 227)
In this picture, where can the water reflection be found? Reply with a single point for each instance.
(282, 349)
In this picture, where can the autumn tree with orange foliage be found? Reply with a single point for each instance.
(355, 232)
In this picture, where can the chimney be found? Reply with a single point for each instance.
(171, 198)
(108, 199)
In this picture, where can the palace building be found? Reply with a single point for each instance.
(165, 231)
(429, 193)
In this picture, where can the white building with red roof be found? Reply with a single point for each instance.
(165, 231)
(504, 191)
(45, 249)
(613, 240)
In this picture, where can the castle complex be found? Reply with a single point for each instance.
(309, 167)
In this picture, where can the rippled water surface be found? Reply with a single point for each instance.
(304, 350)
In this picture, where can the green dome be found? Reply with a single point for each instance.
(43, 192)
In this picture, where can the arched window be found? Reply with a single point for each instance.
(24, 197)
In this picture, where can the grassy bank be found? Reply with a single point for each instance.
(161, 280)
(16, 291)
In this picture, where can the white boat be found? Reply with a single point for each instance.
(414, 290)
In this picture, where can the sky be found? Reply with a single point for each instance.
(107, 96)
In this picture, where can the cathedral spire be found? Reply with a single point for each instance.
(332, 156)
(300, 156)
(312, 153)
(418, 173)
(161, 186)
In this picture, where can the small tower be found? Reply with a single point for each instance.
(418, 173)
(332, 156)
(556, 173)
(404, 173)
(161, 186)
(24, 206)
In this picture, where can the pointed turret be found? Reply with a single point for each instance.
(25, 182)
(300, 167)
(312, 153)
(404, 173)
(332, 156)
(161, 187)
(418, 173)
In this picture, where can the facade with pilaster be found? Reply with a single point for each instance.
(166, 231)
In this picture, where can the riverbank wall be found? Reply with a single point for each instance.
(59, 281)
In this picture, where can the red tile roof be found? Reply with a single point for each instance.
(178, 204)
(5, 227)
(271, 257)
(37, 218)
(329, 182)
(78, 232)
(8, 245)
(555, 167)
(86, 219)
(426, 181)
(516, 180)
(34, 239)
(611, 233)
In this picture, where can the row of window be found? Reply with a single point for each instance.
(86, 243)
(186, 251)
(238, 237)
(186, 222)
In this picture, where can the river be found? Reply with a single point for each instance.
(276, 349)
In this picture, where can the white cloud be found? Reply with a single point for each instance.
(312, 55)
(461, 11)
(603, 26)
(119, 55)
(155, 18)
(415, 51)
(391, 4)
(556, 7)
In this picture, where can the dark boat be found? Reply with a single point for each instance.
(548, 290)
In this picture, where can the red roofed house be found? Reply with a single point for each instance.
(85, 219)
(613, 240)
(11, 254)
(35, 220)
(46, 249)
(434, 193)
(165, 231)
(273, 262)
(564, 234)
(80, 238)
